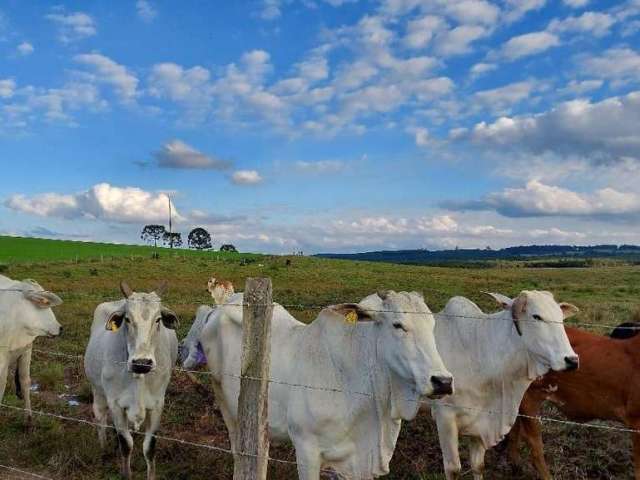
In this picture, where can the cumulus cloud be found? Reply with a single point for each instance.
(516, 9)
(25, 49)
(108, 71)
(594, 23)
(503, 97)
(576, 3)
(101, 202)
(537, 199)
(604, 131)
(246, 177)
(73, 26)
(146, 11)
(620, 65)
(177, 154)
(420, 31)
(529, 44)
(7, 87)
(458, 40)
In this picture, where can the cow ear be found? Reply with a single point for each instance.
(352, 312)
(518, 307)
(420, 295)
(169, 319)
(162, 288)
(502, 300)
(114, 322)
(568, 310)
(125, 289)
(42, 299)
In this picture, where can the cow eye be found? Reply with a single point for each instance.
(399, 326)
(537, 317)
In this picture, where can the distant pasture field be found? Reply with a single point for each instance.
(62, 449)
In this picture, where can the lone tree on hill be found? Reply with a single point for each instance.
(152, 233)
(199, 239)
(227, 247)
(172, 239)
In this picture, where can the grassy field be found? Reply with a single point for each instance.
(19, 250)
(61, 449)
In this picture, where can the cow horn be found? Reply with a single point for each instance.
(162, 288)
(518, 307)
(125, 289)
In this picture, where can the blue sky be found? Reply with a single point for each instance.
(323, 125)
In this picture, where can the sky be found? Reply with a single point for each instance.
(323, 125)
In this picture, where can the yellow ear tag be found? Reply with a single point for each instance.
(113, 326)
(351, 317)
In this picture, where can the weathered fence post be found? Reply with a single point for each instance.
(253, 443)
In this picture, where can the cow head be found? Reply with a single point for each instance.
(538, 319)
(142, 316)
(37, 318)
(407, 340)
(220, 290)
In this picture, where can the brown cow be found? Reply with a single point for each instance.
(605, 387)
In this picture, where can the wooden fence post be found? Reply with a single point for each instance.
(251, 460)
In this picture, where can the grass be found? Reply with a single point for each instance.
(58, 449)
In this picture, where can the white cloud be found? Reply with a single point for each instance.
(246, 177)
(481, 68)
(580, 87)
(576, 3)
(146, 11)
(24, 49)
(7, 88)
(473, 11)
(502, 98)
(539, 200)
(101, 202)
(177, 154)
(516, 9)
(112, 73)
(602, 131)
(620, 65)
(73, 26)
(529, 44)
(458, 40)
(420, 31)
(594, 23)
(420, 136)
(271, 9)
(320, 167)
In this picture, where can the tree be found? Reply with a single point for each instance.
(199, 239)
(170, 239)
(227, 247)
(152, 233)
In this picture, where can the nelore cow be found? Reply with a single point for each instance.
(606, 387)
(365, 366)
(191, 353)
(132, 350)
(494, 358)
(25, 314)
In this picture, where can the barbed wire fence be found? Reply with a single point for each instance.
(301, 306)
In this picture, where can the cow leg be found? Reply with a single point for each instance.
(149, 445)
(636, 449)
(513, 444)
(4, 371)
(477, 452)
(448, 437)
(532, 434)
(308, 460)
(229, 419)
(100, 412)
(23, 372)
(125, 440)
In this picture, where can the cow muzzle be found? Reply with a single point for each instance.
(441, 386)
(141, 365)
(572, 362)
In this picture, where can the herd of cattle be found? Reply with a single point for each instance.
(341, 385)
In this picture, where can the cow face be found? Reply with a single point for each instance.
(538, 319)
(142, 316)
(408, 341)
(37, 318)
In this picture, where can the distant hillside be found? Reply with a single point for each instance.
(529, 252)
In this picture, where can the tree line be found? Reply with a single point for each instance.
(198, 238)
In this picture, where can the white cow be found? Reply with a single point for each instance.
(494, 358)
(131, 353)
(25, 313)
(370, 375)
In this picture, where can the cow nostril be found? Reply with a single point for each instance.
(141, 365)
(572, 362)
(442, 385)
